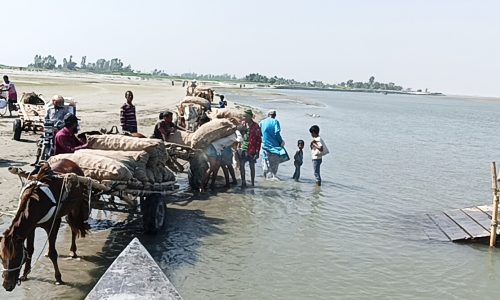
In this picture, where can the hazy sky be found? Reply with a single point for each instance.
(445, 45)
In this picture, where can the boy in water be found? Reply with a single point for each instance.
(318, 150)
(298, 158)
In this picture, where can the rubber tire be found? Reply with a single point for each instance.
(154, 213)
(46, 153)
(17, 128)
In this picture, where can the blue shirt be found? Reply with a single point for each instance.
(271, 136)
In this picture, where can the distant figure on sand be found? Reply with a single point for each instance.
(273, 151)
(298, 159)
(318, 150)
(222, 102)
(128, 118)
(249, 149)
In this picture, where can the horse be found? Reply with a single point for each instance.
(192, 113)
(42, 203)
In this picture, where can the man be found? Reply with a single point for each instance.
(10, 88)
(165, 127)
(250, 147)
(128, 118)
(273, 151)
(57, 111)
(222, 102)
(66, 141)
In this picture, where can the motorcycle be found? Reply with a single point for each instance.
(46, 143)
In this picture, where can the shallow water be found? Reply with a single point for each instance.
(360, 236)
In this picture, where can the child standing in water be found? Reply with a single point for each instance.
(318, 150)
(298, 158)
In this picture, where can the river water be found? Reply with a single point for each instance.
(393, 159)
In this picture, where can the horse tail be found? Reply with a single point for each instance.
(77, 217)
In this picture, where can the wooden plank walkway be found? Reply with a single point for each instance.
(462, 225)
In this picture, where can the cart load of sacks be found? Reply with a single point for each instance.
(141, 162)
(121, 158)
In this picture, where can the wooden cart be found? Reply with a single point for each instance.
(128, 197)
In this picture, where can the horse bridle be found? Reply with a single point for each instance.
(23, 260)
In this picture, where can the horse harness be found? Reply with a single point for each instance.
(65, 189)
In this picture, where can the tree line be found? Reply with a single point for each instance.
(349, 84)
(116, 65)
(101, 65)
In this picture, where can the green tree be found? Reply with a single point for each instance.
(371, 80)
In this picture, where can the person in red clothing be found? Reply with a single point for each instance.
(250, 147)
(66, 141)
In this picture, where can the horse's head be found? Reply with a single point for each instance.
(13, 255)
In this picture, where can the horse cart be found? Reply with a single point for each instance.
(32, 111)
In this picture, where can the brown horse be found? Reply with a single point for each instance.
(42, 203)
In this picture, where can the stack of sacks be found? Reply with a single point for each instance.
(212, 131)
(97, 167)
(121, 158)
(196, 100)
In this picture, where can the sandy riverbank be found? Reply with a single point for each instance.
(98, 97)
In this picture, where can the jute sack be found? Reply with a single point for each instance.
(180, 137)
(126, 143)
(211, 131)
(226, 113)
(97, 167)
(135, 161)
(196, 100)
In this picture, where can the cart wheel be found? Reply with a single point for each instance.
(17, 128)
(154, 213)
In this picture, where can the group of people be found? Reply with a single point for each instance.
(267, 135)
(250, 138)
(66, 124)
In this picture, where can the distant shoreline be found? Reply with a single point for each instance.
(385, 92)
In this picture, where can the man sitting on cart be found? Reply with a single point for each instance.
(57, 111)
(66, 140)
(165, 126)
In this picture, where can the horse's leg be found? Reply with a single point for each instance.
(72, 249)
(30, 246)
(52, 249)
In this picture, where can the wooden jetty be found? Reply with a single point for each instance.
(477, 223)
(134, 275)
(461, 225)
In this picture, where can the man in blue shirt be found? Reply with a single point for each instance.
(273, 149)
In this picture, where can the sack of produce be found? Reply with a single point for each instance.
(135, 161)
(97, 167)
(211, 131)
(154, 147)
(180, 137)
(196, 100)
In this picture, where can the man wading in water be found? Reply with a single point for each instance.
(250, 147)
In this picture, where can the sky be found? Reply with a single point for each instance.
(451, 46)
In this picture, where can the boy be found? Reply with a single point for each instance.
(298, 158)
(318, 150)
(128, 119)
